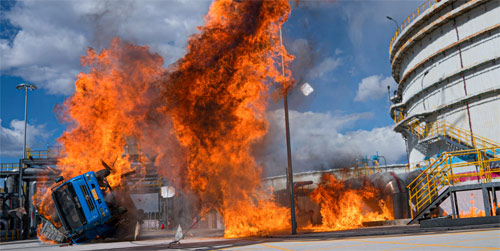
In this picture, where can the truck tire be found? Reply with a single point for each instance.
(103, 173)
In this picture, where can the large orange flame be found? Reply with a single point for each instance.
(346, 208)
(198, 119)
(106, 108)
(217, 99)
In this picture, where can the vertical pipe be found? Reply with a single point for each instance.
(473, 143)
(493, 192)
(456, 204)
(465, 85)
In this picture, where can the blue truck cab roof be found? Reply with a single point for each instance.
(81, 206)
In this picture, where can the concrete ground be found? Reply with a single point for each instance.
(485, 237)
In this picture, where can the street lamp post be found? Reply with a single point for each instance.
(26, 88)
(392, 19)
(288, 147)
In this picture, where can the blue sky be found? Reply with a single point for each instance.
(341, 49)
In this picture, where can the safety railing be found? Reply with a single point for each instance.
(10, 235)
(407, 21)
(398, 116)
(426, 187)
(423, 164)
(356, 172)
(50, 152)
(9, 167)
(433, 129)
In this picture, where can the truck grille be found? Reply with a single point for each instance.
(87, 197)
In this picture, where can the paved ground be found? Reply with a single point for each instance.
(376, 238)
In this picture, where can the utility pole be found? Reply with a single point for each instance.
(288, 147)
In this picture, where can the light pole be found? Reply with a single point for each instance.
(26, 88)
(288, 147)
(392, 19)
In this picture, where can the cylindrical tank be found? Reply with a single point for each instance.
(11, 183)
(445, 58)
(392, 188)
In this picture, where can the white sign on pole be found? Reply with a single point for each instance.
(167, 192)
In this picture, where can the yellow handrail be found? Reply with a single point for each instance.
(9, 167)
(439, 175)
(50, 152)
(432, 129)
(407, 21)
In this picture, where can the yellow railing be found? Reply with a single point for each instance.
(407, 21)
(356, 172)
(433, 129)
(423, 164)
(424, 189)
(50, 152)
(398, 116)
(10, 235)
(9, 167)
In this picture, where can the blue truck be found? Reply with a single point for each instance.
(88, 209)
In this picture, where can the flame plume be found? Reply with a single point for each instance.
(108, 106)
(198, 118)
(217, 99)
(344, 208)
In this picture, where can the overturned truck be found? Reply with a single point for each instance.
(87, 208)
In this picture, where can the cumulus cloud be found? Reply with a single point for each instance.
(374, 87)
(12, 137)
(53, 35)
(323, 141)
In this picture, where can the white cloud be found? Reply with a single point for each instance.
(12, 137)
(55, 34)
(323, 141)
(374, 87)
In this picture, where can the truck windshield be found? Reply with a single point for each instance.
(69, 207)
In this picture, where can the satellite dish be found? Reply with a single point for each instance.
(167, 192)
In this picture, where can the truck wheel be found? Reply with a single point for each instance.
(102, 173)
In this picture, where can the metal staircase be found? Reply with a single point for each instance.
(438, 181)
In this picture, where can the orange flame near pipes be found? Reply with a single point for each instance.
(346, 208)
(198, 119)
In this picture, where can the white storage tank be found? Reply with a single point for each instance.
(445, 58)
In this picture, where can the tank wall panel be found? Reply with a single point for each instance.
(448, 93)
(468, 23)
(478, 18)
(476, 82)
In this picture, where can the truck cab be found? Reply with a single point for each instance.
(82, 208)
